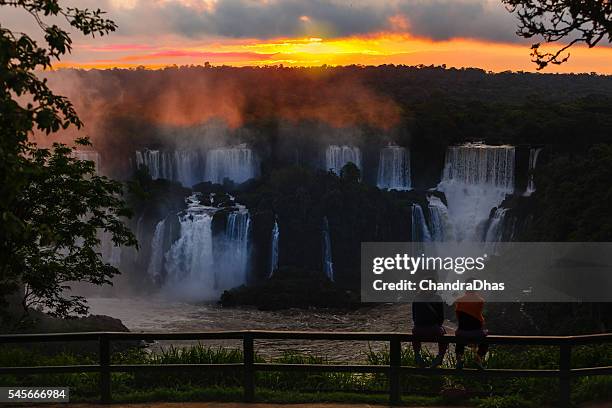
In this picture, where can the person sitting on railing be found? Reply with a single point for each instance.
(427, 318)
(470, 326)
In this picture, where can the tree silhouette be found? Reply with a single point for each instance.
(575, 21)
(52, 206)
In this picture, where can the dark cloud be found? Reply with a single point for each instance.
(264, 19)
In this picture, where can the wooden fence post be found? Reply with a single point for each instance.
(395, 360)
(565, 390)
(249, 369)
(105, 378)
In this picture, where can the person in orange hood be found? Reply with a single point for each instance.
(470, 326)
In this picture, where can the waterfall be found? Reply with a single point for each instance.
(328, 265)
(88, 155)
(394, 168)
(336, 157)
(184, 166)
(420, 231)
(476, 179)
(439, 225)
(192, 269)
(159, 164)
(236, 257)
(495, 230)
(155, 267)
(238, 164)
(274, 249)
(189, 169)
(533, 161)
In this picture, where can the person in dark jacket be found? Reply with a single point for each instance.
(428, 320)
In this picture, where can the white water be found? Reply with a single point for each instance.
(495, 231)
(274, 249)
(188, 167)
(189, 262)
(336, 157)
(193, 270)
(476, 179)
(158, 163)
(533, 161)
(184, 166)
(394, 168)
(420, 231)
(236, 255)
(328, 264)
(238, 164)
(154, 269)
(440, 226)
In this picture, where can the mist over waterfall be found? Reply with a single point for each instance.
(238, 164)
(328, 265)
(440, 226)
(420, 231)
(274, 249)
(533, 162)
(476, 179)
(336, 157)
(394, 168)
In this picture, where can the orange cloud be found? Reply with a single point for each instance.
(373, 49)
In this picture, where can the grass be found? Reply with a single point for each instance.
(293, 387)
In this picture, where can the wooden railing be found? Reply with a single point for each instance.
(248, 367)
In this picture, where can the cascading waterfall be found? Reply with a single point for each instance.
(328, 265)
(159, 164)
(440, 227)
(192, 270)
(238, 164)
(154, 269)
(188, 167)
(476, 179)
(184, 166)
(394, 168)
(336, 157)
(420, 231)
(236, 257)
(533, 161)
(274, 249)
(495, 229)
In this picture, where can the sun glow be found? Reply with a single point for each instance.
(375, 49)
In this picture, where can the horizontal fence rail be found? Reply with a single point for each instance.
(394, 370)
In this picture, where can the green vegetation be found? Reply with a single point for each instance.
(318, 387)
(52, 206)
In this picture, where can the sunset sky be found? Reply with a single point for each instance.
(459, 33)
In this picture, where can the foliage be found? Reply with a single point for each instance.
(51, 205)
(64, 206)
(287, 387)
(587, 22)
